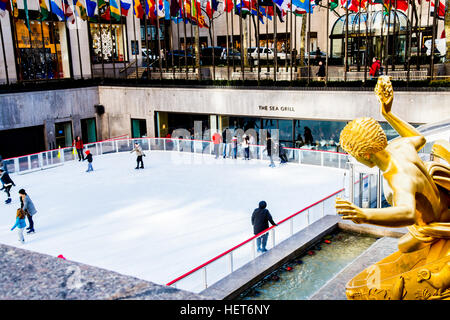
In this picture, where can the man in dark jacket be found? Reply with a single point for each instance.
(260, 221)
(7, 184)
(269, 150)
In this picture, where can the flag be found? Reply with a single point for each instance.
(441, 9)
(114, 10)
(167, 9)
(304, 5)
(80, 9)
(43, 10)
(161, 13)
(103, 10)
(5, 5)
(125, 5)
(208, 9)
(138, 9)
(334, 4)
(68, 13)
(228, 5)
(56, 8)
(90, 8)
(175, 8)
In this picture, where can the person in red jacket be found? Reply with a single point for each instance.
(375, 68)
(217, 138)
(78, 144)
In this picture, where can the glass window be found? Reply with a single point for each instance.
(285, 127)
(43, 51)
(108, 42)
(63, 134)
(323, 135)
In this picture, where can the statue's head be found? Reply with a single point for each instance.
(362, 138)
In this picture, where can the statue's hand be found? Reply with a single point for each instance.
(350, 211)
(385, 93)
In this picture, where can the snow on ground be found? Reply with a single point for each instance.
(160, 222)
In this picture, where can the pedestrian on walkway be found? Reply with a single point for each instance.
(260, 221)
(28, 207)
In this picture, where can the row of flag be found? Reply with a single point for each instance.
(189, 10)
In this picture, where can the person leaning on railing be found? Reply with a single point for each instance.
(260, 221)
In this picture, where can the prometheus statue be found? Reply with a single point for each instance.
(418, 193)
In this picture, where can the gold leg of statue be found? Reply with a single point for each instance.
(419, 198)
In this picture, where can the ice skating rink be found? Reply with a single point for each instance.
(160, 222)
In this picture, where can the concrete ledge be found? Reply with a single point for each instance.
(371, 229)
(28, 275)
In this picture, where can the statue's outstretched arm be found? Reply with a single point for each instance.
(385, 94)
(400, 215)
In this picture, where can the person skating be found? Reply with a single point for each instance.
(246, 147)
(78, 144)
(216, 140)
(225, 141)
(269, 150)
(7, 184)
(140, 154)
(282, 154)
(20, 224)
(89, 159)
(260, 221)
(28, 207)
(234, 143)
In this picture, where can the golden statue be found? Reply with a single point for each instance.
(418, 193)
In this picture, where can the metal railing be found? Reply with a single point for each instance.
(225, 263)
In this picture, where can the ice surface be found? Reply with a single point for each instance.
(160, 222)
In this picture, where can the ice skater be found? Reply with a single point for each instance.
(234, 143)
(282, 154)
(269, 150)
(246, 147)
(7, 184)
(139, 154)
(28, 207)
(217, 139)
(260, 221)
(89, 159)
(20, 224)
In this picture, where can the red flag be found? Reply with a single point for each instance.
(228, 6)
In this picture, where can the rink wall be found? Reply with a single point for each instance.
(121, 104)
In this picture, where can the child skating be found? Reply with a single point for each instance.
(140, 154)
(89, 160)
(20, 224)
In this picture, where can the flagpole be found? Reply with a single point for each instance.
(328, 42)
(30, 39)
(257, 41)
(124, 33)
(172, 47)
(178, 39)
(408, 51)
(17, 58)
(241, 40)
(358, 64)
(275, 46)
(54, 38)
(419, 38)
(113, 44)
(267, 39)
(346, 42)
(250, 17)
(4, 54)
(285, 42)
(309, 41)
(78, 43)
(433, 34)
(149, 75)
(185, 40)
(227, 45)
(199, 45)
(194, 56)
(290, 40)
(41, 22)
(387, 37)
(232, 35)
(366, 56)
(213, 41)
(394, 36)
(136, 46)
(159, 42)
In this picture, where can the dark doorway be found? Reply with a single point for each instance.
(138, 128)
(88, 130)
(18, 142)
